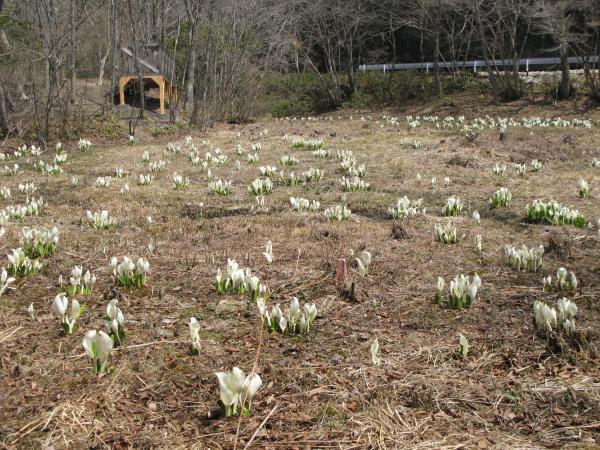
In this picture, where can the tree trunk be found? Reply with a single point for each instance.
(135, 59)
(564, 88)
(115, 64)
(436, 65)
(3, 114)
(4, 46)
(191, 72)
(192, 14)
(484, 48)
(102, 66)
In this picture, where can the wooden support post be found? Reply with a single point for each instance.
(161, 86)
(122, 82)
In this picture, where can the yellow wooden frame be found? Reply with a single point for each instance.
(164, 86)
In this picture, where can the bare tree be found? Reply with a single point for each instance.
(556, 20)
(192, 9)
(4, 47)
(587, 20)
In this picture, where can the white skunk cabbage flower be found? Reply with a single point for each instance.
(375, 358)
(195, 336)
(477, 243)
(251, 385)
(99, 346)
(363, 262)
(268, 253)
(60, 306)
(544, 317)
(114, 321)
(31, 311)
(235, 387)
(567, 309)
(5, 281)
(463, 345)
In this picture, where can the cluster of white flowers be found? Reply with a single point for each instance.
(261, 186)
(156, 166)
(308, 144)
(20, 264)
(179, 181)
(595, 162)
(98, 346)
(289, 179)
(347, 163)
(130, 274)
(287, 160)
(499, 170)
(354, 184)
(39, 242)
(338, 213)
(120, 172)
(405, 208)
(103, 181)
(546, 319)
(32, 207)
(357, 171)
(312, 174)
(81, 283)
(5, 281)
(321, 153)
(523, 258)
(463, 291)
(344, 155)
(453, 206)
(237, 390)
(554, 214)
(145, 180)
(24, 151)
(238, 280)
(4, 192)
(501, 197)
(60, 306)
(297, 321)
(84, 145)
(217, 158)
(267, 171)
(565, 281)
(447, 234)
(101, 220)
(495, 123)
(60, 158)
(220, 187)
(252, 158)
(302, 204)
(536, 166)
(521, 169)
(173, 148)
(27, 188)
(12, 171)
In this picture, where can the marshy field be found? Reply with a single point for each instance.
(409, 313)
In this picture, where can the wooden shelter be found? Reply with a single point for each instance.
(157, 70)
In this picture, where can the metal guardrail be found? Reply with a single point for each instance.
(475, 64)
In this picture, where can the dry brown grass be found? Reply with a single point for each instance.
(319, 391)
